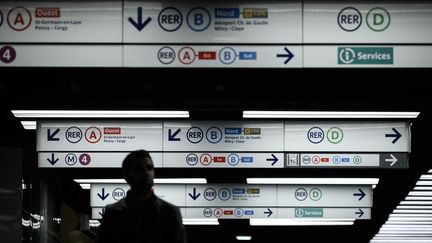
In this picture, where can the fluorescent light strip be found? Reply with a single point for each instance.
(406, 227)
(408, 211)
(327, 114)
(243, 237)
(286, 222)
(314, 181)
(430, 171)
(398, 241)
(29, 125)
(98, 114)
(420, 193)
(426, 177)
(424, 183)
(423, 188)
(410, 198)
(407, 223)
(409, 215)
(156, 181)
(200, 221)
(414, 207)
(415, 203)
(85, 186)
(408, 219)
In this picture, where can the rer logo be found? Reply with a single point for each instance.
(118, 194)
(315, 135)
(170, 19)
(73, 134)
(301, 194)
(210, 194)
(349, 19)
(194, 135)
(365, 55)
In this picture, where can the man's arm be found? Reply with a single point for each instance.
(180, 229)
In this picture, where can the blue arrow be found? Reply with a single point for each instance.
(361, 194)
(51, 136)
(103, 196)
(102, 213)
(269, 212)
(396, 135)
(52, 160)
(139, 25)
(274, 159)
(288, 55)
(194, 196)
(171, 136)
(360, 213)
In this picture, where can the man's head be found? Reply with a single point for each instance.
(138, 170)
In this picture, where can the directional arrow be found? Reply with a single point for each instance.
(274, 159)
(102, 213)
(194, 196)
(139, 25)
(51, 136)
(269, 212)
(360, 213)
(172, 136)
(103, 196)
(392, 160)
(288, 55)
(361, 194)
(396, 135)
(53, 159)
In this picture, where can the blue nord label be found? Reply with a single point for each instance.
(227, 13)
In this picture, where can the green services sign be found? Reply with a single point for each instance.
(309, 212)
(365, 55)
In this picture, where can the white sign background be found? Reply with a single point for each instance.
(284, 23)
(357, 136)
(101, 22)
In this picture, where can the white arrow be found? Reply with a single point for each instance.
(393, 160)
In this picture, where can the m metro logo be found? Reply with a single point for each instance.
(365, 55)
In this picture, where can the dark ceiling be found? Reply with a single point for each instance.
(221, 94)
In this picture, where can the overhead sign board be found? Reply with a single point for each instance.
(61, 21)
(98, 213)
(251, 212)
(244, 195)
(223, 136)
(88, 160)
(324, 196)
(99, 136)
(213, 56)
(347, 136)
(61, 55)
(356, 22)
(213, 22)
(104, 194)
(381, 160)
(223, 160)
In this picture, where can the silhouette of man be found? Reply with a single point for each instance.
(141, 216)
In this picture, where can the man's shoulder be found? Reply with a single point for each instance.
(166, 205)
(118, 206)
